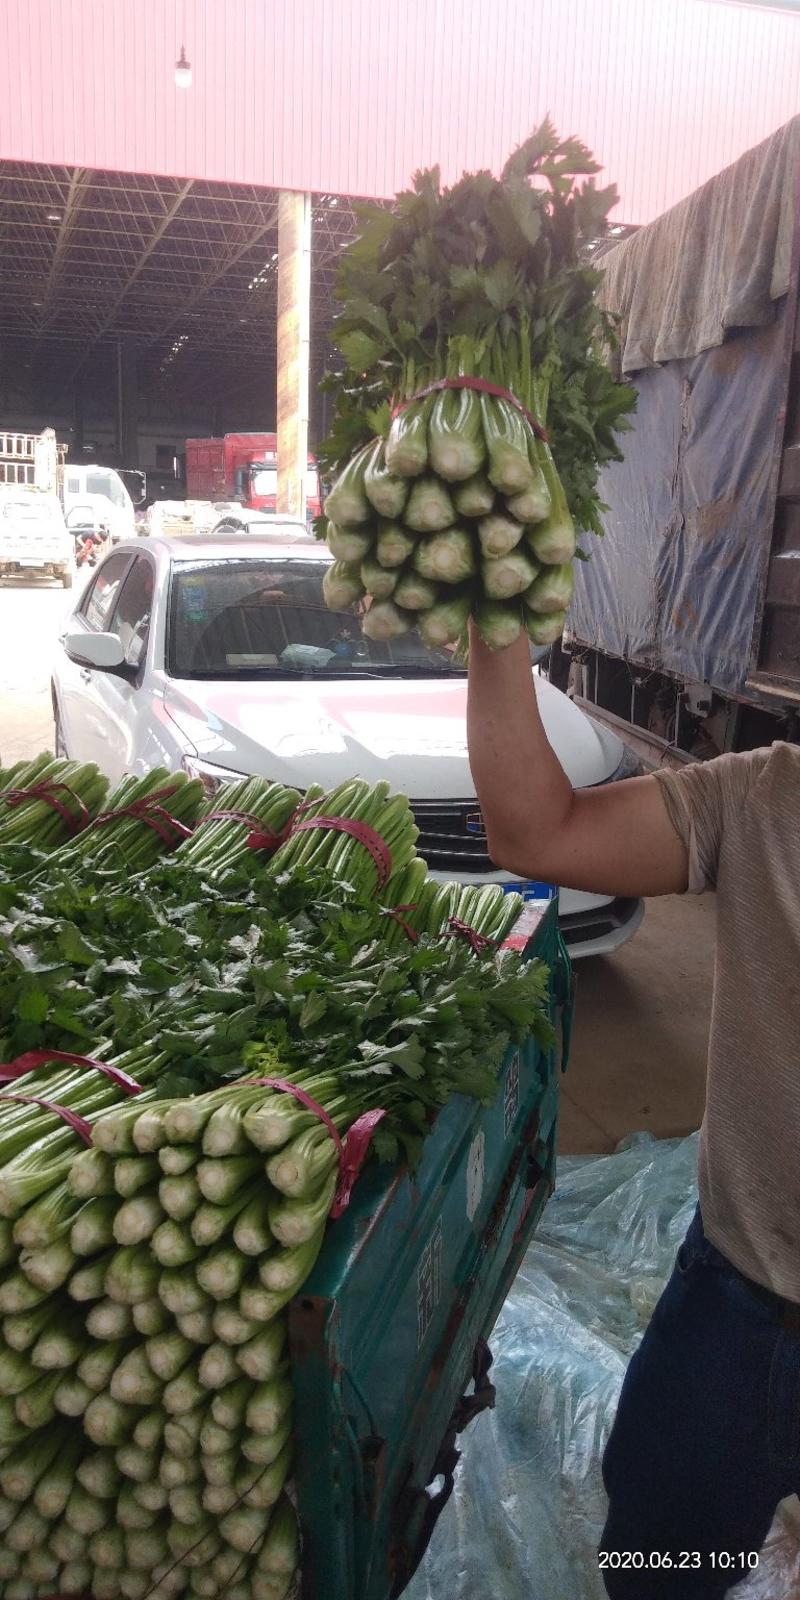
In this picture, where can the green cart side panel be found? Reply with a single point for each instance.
(410, 1280)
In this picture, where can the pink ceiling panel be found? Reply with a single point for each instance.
(350, 96)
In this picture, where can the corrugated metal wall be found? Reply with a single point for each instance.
(350, 96)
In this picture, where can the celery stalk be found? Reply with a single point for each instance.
(99, 1474)
(108, 1319)
(260, 1358)
(36, 1406)
(137, 1220)
(107, 1422)
(218, 1366)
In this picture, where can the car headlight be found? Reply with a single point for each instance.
(212, 777)
(630, 766)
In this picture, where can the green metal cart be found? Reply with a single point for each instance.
(388, 1340)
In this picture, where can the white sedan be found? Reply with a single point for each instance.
(218, 655)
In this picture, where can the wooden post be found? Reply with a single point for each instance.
(294, 316)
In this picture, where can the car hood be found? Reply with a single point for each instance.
(410, 732)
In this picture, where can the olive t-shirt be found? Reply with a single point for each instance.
(739, 817)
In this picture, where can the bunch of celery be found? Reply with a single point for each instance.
(432, 908)
(145, 1402)
(459, 511)
(33, 819)
(446, 501)
(141, 819)
(145, 1389)
(221, 840)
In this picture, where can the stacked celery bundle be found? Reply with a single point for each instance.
(469, 326)
(46, 801)
(460, 510)
(145, 1386)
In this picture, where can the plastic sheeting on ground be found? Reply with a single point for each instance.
(529, 1506)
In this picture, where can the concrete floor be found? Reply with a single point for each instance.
(641, 1030)
(639, 1045)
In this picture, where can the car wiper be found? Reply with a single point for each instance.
(237, 674)
(413, 669)
(343, 672)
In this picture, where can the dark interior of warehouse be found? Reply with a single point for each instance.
(137, 311)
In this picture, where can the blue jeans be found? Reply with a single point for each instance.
(706, 1440)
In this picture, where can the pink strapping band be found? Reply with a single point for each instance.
(78, 1124)
(483, 386)
(48, 792)
(395, 912)
(478, 941)
(352, 1151)
(150, 810)
(265, 839)
(31, 1059)
(10, 1071)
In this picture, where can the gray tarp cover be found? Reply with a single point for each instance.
(529, 1505)
(673, 584)
(715, 261)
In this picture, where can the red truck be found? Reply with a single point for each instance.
(242, 466)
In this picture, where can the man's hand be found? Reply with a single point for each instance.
(614, 840)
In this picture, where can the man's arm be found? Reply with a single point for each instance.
(617, 839)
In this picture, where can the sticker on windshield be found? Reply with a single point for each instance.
(251, 661)
(194, 597)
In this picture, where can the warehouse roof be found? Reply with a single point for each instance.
(185, 269)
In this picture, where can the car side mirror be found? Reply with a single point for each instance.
(103, 651)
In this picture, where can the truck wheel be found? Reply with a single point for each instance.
(67, 578)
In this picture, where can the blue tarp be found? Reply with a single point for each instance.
(673, 584)
(528, 1508)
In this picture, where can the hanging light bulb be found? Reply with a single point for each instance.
(183, 71)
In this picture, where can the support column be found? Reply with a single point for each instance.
(294, 319)
(127, 404)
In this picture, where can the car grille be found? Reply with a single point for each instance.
(581, 927)
(451, 836)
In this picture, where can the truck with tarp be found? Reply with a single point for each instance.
(686, 621)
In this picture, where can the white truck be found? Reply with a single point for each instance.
(33, 534)
(91, 495)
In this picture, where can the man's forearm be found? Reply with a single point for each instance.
(517, 775)
(615, 839)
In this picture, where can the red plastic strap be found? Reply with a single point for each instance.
(395, 912)
(150, 811)
(352, 1151)
(356, 1149)
(478, 941)
(231, 816)
(483, 386)
(305, 1100)
(78, 1124)
(267, 839)
(11, 1070)
(47, 792)
(372, 841)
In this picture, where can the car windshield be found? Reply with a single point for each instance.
(247, 618)
(107, 485)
